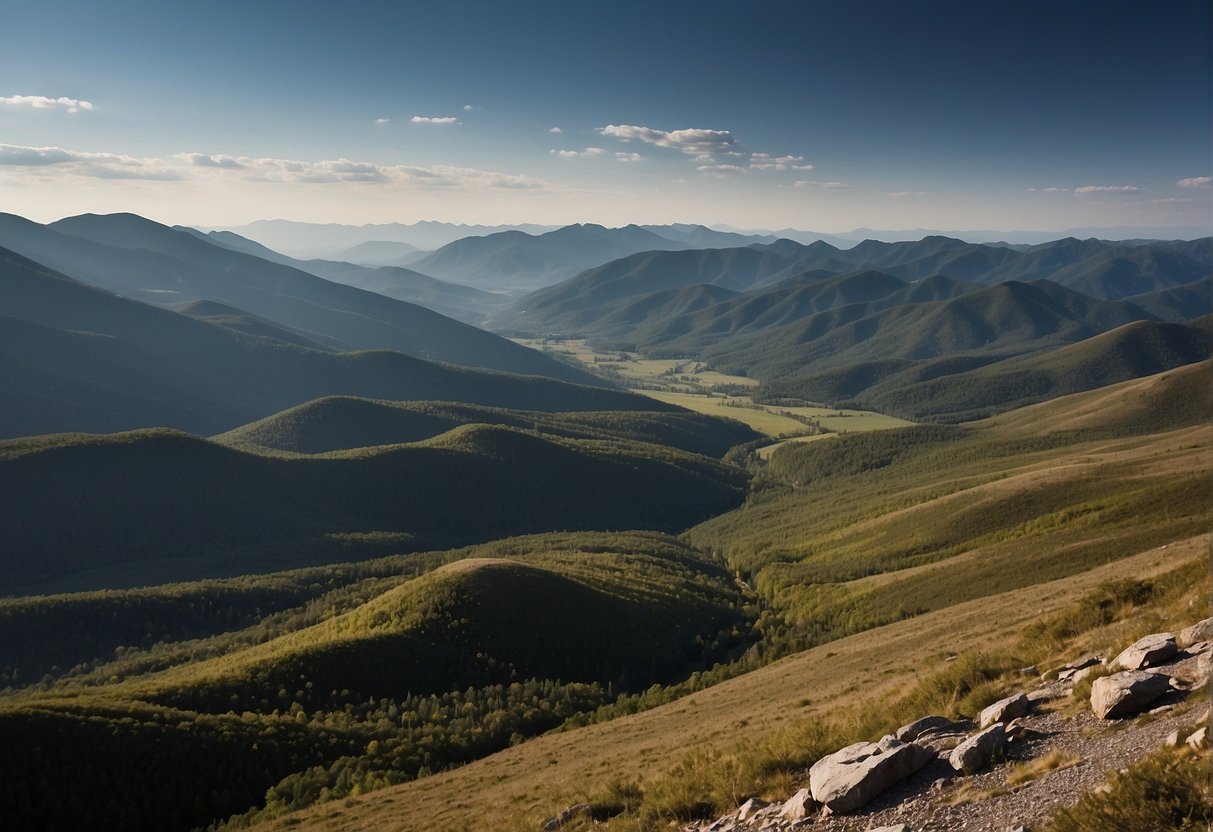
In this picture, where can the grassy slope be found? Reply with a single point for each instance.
(338, 423)
(69, 502)
(534, 780)
(976, 531)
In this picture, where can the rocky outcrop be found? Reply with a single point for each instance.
(799, 806)
(1126, 693)
(849, 778)
(1005, 710)
(1200, 631)
(979, 750)
(1147, 652)
(924, 726)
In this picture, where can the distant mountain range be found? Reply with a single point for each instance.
(150, 262)
(79, 358)
(311, 240)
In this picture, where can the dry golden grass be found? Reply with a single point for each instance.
(534, 780)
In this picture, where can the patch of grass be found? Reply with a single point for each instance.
(1055, 760)
(1166, 791)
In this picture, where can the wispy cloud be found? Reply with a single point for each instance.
(1047, 190)
(628, 157)
(94, 165)
(204, 160)
(905, 194)
(765, 161)
(434, 120)
(694, 141)
(724, 168)
(555, 130)
(573, 154)
(1196, 182)
(382, 120)
(812, 183)
(467, 108)
(41, 102)
(61, 162)
(1107, 189)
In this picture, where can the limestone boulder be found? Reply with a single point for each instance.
(979, 750)
(853, 776)
(750, 808)
(1147, 652)
(1199, 740)
(1200, 631)
(1126, 693)
(799, 806)
(1005, 710)
(926, 725)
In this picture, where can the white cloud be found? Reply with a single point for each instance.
(1171, 200)
(695, 141)
(810, 183)
(573, 154)
(628, 157)
(57, 161)
(382, 121)
(434, 120)
(1107, 189)
(720, 169)
(1047, 190)
(765, 161)
(467, 108)
(202, 160)
(41, 102)
(1196, 182)
(555, 130)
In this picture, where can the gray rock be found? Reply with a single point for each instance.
(1199, 739)
(928, 724)
(1200, 631)
(1005, 710)
(852, 776)
(897, 827)
(750, 808)
(979, 750)
(1147, 652)
(799, 806)
(1126, 693)
(566, 815)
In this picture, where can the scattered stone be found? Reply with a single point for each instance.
(1161, 709)
(1044, 694)
(928, 724)
(1147, 652)
(852, 776)
(799, 806)
(1204, 668)
(1079, 675)
(1200, 631)
(750, 808)
(1126, 693)
(1199, 739)
(1017, 729)
(1030, 670)
(566, 815)
(1004, 710)
(979, 750)
(897, 827)
(1173, 739)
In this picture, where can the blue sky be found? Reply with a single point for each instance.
(826, 116)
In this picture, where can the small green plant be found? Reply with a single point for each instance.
(1166, 791)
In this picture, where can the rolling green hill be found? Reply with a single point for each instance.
(960, 390)
(367, 668)
(339, 423)
(151, 262)
(80, 358)
(69, 502)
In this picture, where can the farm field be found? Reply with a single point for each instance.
(689, 383)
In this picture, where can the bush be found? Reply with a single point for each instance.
(1163, 792)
